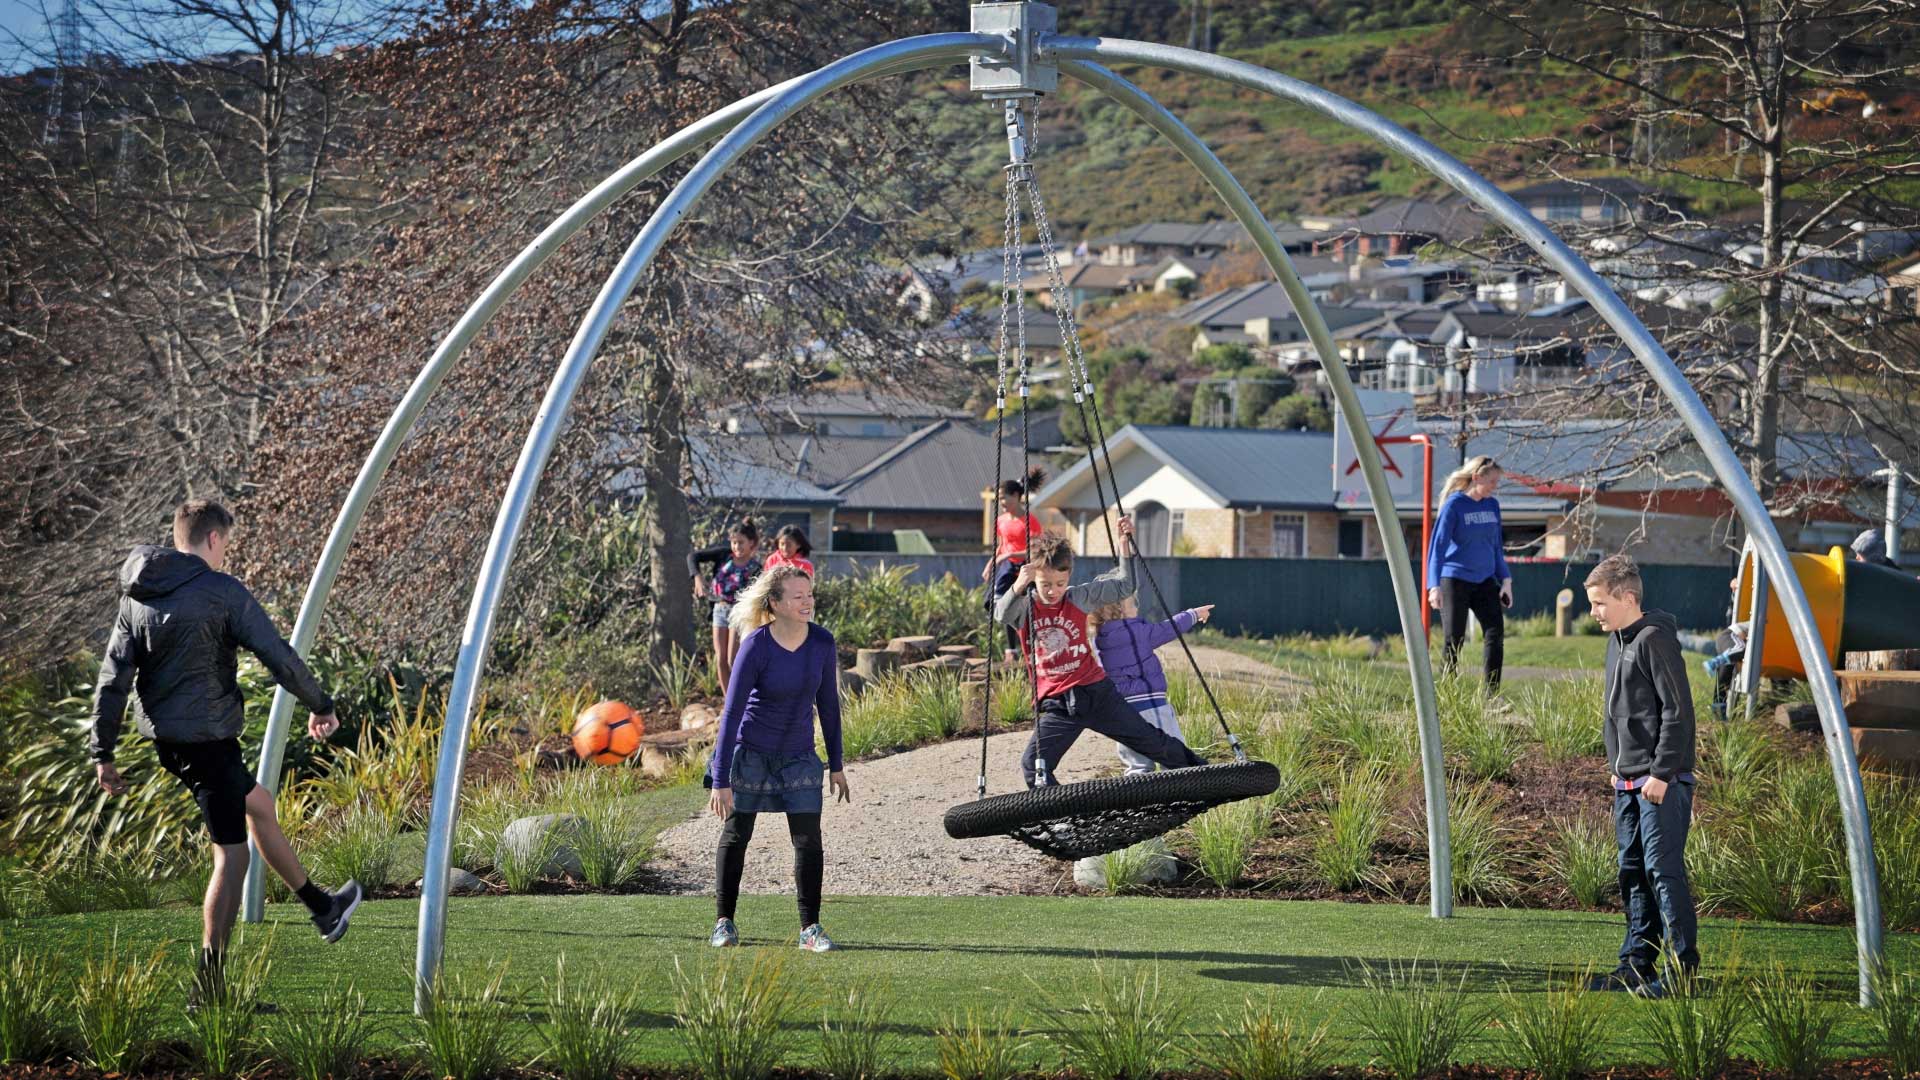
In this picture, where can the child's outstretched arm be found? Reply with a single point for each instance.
(1116, 584)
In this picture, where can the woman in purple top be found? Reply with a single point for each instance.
(1467, 564)
(764, 761)
(1124, 643)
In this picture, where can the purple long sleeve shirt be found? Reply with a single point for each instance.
(772, 697)
(1126, 649)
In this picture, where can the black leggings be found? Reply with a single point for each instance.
(1483, 599)
(809, 861)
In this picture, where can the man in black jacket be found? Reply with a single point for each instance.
(174, 640)
(1649, 737)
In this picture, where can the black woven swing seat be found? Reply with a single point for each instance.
(1093, 817)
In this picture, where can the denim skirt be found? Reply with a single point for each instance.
(765, 783)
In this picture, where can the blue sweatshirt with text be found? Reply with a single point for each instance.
(1468, 543)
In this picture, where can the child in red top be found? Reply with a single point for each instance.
(1075, 694)
(790, 548)
(1014, 531)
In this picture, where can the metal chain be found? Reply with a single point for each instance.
(1009, 250)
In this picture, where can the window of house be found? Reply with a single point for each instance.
(1177, 530)
(1563, 207)
(873, 429)
(1353, 539)
(1289, 536)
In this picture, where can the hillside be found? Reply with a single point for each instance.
(1100, 168)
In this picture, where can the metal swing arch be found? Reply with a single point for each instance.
(1037, 50)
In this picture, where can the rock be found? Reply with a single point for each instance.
(1161, 867)
(553, 832)
(917, 647)
(965, 652)
(873, 663)
(851, 683)
(697, 715)
(1802, 717)
(459, 883)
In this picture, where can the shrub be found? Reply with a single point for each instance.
(612, 849)
(1693, 1029)
(1479, 848)
(979, 1046)
(221, 1032)
(1343, 853)
(1793, 1027)
(1896, 1018)
(1480, 745)
(877, 602)
(1123, 1027)
(1223, 840)
(323, 1042)
(1127, 869)
(1894, 807)
(733, 1018)
(363, 846)
(521, 864)
(1348, 709)
(854, 1042)
(1289, 748)
(1738, 759)
(116, 1003)
(29, 1006)
(107, 879)
(1558, 1034)
(1269, 1045)
(678, 677)
(1564, 716)
(466, 1032)
(1741, 868)
(1415, 1020)
(587, 1023)
(1586, 859)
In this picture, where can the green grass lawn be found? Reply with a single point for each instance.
(935, 957)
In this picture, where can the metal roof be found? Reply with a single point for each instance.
(944, 466)
(722, 475)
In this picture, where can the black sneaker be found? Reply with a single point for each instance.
(1621, 979)
(333, 925)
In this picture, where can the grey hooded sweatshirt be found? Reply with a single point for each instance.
(1649, 722)
(174, 645)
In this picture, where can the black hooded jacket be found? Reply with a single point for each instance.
(1649, 723)
(173, 645)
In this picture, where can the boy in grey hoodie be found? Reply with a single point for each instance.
(1649, 737)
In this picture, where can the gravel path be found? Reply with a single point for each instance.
(889, 841)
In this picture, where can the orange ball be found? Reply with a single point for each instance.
(607, 734)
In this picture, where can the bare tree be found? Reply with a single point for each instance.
(169, 209)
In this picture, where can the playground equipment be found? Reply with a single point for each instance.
(1857, 606)
(1014, 51)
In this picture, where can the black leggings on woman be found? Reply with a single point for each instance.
(1482, 598)
(809, 861)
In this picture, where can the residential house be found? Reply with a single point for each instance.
(854, 411)
(1403, 226)
(722, 476)
(1147, 244)
(1596, 201)
(1258, 315)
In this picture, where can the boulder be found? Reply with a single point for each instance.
(873, 663)
(1162, 868)
(459, 883)
(915, 647)
(1802, 717)
(851, 683)
(697, 715)
(552, 833)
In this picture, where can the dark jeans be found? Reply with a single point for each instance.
(1483, 599)
(1653, 877)
(809, 862)
(1097, 706)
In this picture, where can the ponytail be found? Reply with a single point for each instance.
(1458, 479)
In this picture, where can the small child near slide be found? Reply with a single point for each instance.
(790, 548)
(1125, 644)
(1050, 617)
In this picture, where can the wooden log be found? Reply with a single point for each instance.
(874, 663)
(662, 753)
(916, 647)
(1802, 717)
(851, 683)
(1890, 749)
(1889, 699)
(965, 652)
(1884, 660)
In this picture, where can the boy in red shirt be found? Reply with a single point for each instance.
(1075, 694)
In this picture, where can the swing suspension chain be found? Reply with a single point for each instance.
(1009, 248)
(1085, 401)
(1019, 170)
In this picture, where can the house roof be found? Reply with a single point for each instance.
(721, 474)
(1093, 275)
(859, 402)
(1621, 187)
(1178, 234)
(1502, 326)
(1452, 219)
(943, 466)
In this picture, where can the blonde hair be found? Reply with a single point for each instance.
(1458, 479)
(753, 608)
(1106, 613)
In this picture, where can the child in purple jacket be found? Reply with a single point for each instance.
(1124, 643)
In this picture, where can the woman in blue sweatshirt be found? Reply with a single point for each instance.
(1467, 564)
(763, 761)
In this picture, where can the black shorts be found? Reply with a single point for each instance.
(219, 780)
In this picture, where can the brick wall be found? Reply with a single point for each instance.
(1210, 533)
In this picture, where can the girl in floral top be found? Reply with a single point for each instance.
(738, 563)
